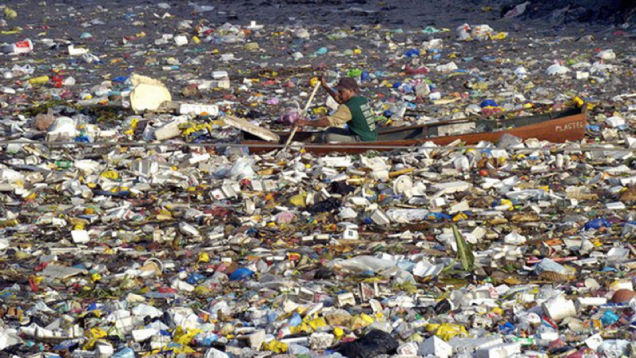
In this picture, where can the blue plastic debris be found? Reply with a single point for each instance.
(412, 53)
(609, 318)
(597, 224)
(488, 103)
(241, 273)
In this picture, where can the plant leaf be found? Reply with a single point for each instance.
(464, 251)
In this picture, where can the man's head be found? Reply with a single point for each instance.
(347, 88)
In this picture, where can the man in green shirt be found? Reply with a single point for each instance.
(354, 111)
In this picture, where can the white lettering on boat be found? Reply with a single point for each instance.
(570, 126)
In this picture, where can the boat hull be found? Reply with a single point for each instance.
(557, 130)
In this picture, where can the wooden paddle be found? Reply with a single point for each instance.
(311, 98)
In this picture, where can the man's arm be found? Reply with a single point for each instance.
(338, 119)
(332, 93)
(320, 123)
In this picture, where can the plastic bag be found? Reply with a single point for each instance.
(374, 343)
(290, 116)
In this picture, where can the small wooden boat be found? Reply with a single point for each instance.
(566, 125)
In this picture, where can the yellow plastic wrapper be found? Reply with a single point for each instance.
(446, 331)
(192, 127)
(16, 30)
(110, 174)
(275, 346)
(578, 101)
(9, 223)
(301, 328)
(93, 335)
(179, 350)
(39, 80)
(338, 332)
(202, 291)
(460, 216)
(508, 203)
(317, 323)
(204, 257)
(368, 319)
(252, 46)
(416, 337)
(97, 333)
(298, 200)
(361, 321)
(185, 337)
(499, 36)
(10, 13)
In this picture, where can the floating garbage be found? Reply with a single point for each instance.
(138, 220)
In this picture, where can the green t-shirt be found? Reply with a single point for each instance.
(362, 120)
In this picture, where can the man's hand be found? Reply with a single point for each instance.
(302, 123)
(318, 123)
(323, 81)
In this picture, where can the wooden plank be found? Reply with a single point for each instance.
(251, 128)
